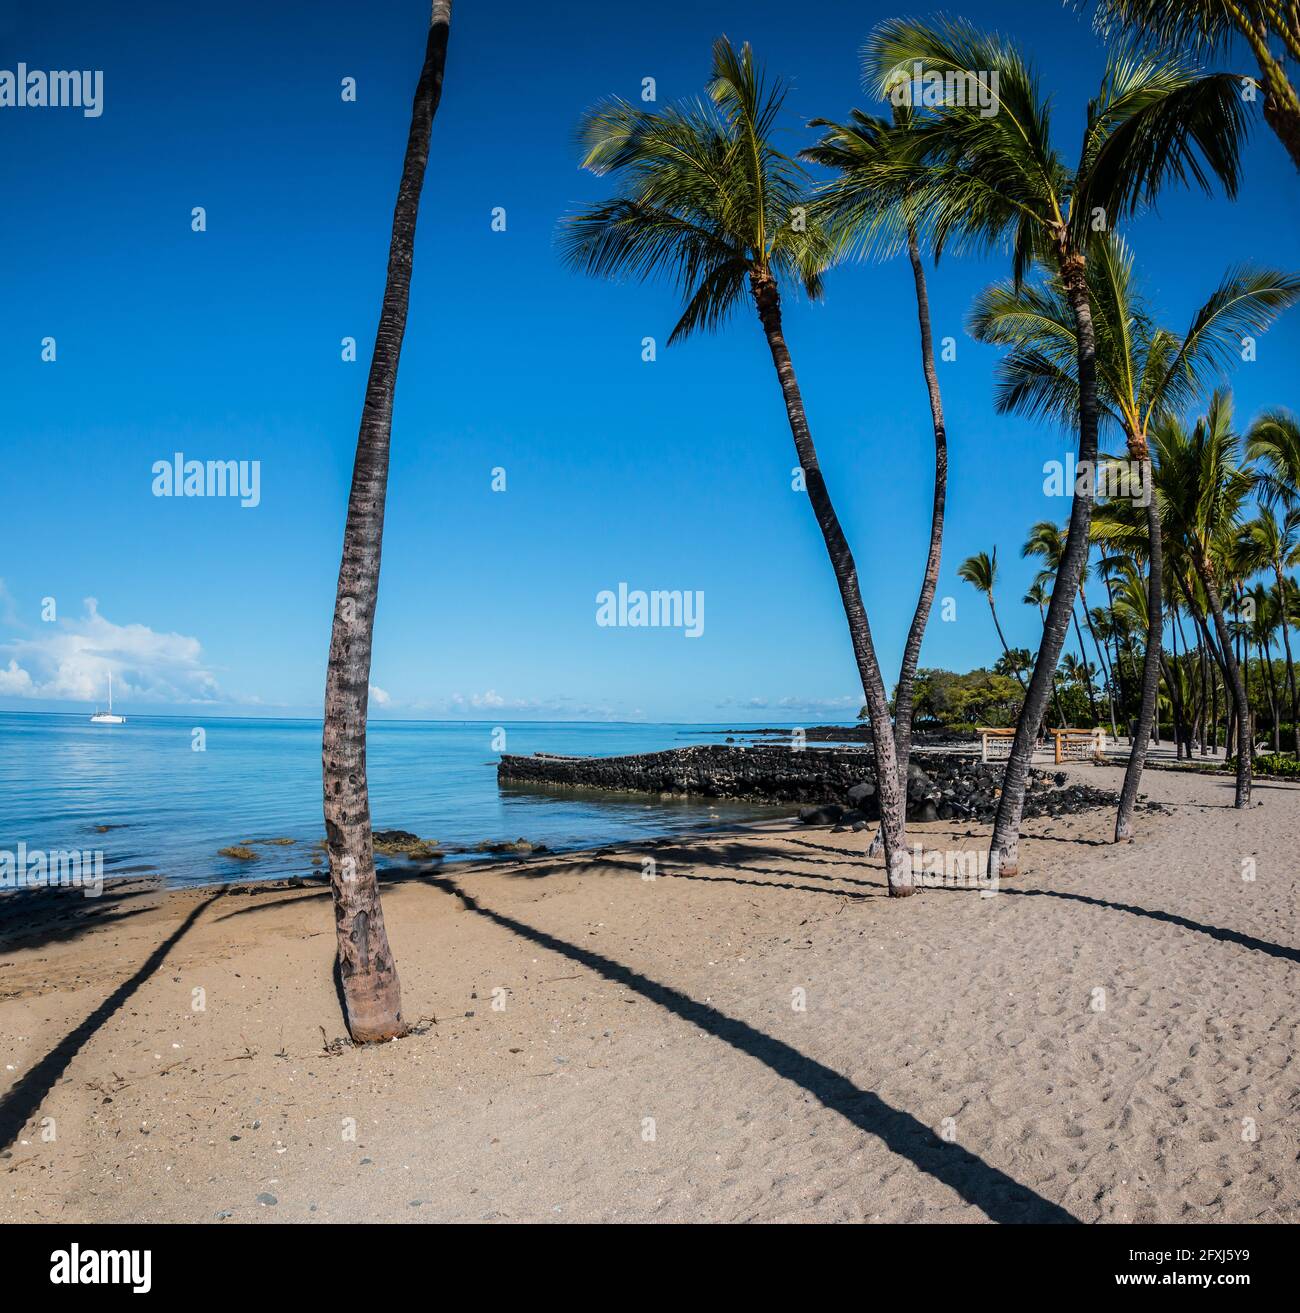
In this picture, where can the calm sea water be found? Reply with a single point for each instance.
(171, 809)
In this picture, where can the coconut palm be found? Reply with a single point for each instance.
(707, 200)
(981, 572)
(371, 991)
(981, 170)
(1202, 488)
(1271, 28)
(1143, 372)
(847, 205)
(1260, 616)
(1270, 544)
(1049, 541)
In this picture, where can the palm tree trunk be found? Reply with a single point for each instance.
(1107, 674)
(1151, 661)
(1002, 638)
(930, 580)
(903, 693)
(1241, 706)
(1004, 849)
(1281, 111)
(1290, 666)
(892, 815)
(1056, 693)
(1083, 657)
(367, 973)
(1270, 685)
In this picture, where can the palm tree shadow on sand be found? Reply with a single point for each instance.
(24, 1100)
(998, 1195)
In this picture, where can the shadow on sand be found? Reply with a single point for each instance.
(23, 1101)
(998, 1195)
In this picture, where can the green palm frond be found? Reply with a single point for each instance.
(1246, 302)
(704, 199)
(1157, 119)
(1273, 442)
(980, 571)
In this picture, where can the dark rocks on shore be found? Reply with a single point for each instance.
(835, 785)
(402, 843)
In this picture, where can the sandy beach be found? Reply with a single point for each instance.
(1110, 1037)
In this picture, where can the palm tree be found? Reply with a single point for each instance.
(1202, 489)
(981, 572)
(847, 206)
(1258, 624)
(1273, 442)
(707, 200)
(1049, 541)
(1270, 27)
(371, 991)
(1143, 372)
(985, 174)
(1272, 545)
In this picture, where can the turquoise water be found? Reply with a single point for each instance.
(171, 809)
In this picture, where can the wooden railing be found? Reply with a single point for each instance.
(1079, 745)
(995, 744)
(1068, 744)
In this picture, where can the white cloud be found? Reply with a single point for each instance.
(15, 682)
(378, 696)
(71, 661)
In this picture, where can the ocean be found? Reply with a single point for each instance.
(154, 806)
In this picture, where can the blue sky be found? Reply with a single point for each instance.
(674, 474)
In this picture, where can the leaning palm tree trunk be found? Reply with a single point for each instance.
(1083, 657)
(892, 819)
(1002, 638)
(371, 993)
(1004, 849)
(1150, 662)
(930, 580)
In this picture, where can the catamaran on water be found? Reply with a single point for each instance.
(107, 717)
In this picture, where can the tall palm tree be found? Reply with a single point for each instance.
(1261, 616)
(1143, 372)
(847, 205)
(1049, 541)
(972, 174)
(371, 992)
(1270, 544)
(1273, 443)
(707, 200)
(1271, 28)
(981, 572)
(1202, 488)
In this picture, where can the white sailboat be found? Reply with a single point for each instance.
(107, 717)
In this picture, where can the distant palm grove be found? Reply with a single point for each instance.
(1166, 594)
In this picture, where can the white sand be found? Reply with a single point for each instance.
(946, 1017)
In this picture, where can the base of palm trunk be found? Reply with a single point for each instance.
(373, 1007)
(902, 879)
(1004, 861)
